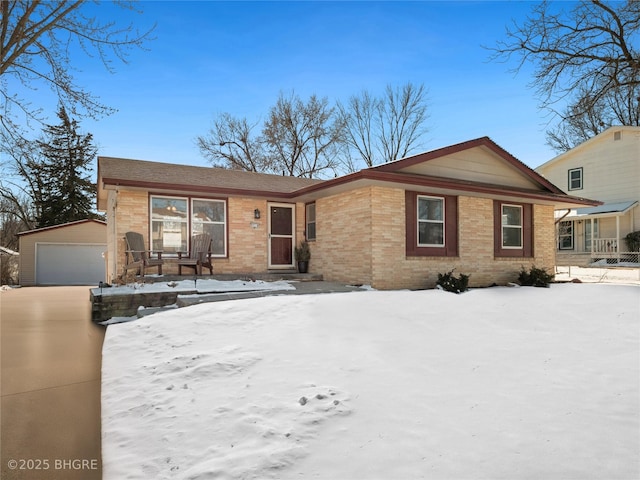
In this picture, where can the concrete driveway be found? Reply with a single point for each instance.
(50, 365)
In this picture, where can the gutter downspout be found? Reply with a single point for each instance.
(563, 216)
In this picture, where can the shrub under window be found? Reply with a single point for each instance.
(535, 277)
(450, 283)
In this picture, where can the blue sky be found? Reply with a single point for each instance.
(236, 57)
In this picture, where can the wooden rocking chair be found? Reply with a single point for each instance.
(199, 255)
(138, 257)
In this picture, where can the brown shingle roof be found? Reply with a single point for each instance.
(166, 176)
(217, 181)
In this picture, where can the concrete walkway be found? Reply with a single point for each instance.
(50, 369)
(301, 288)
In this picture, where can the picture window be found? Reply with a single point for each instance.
(175, 219)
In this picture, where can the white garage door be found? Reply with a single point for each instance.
(65, 264)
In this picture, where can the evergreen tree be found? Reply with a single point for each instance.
(60, 181)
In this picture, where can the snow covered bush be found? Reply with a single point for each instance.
(536, 277)
(452, 284)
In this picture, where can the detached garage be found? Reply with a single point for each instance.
(68, 254)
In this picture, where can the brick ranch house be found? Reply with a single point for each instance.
(470, 206)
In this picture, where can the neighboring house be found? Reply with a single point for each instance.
(67, 254)
(471, 206)
(607, 168)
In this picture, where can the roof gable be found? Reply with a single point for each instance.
(480, 160)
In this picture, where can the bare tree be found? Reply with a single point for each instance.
(359, 117)
(16, 208)
(386, 128)
(15, 198)
(37, 39)
(231, 144)
(403, 112)
(11, 226)
(22, 188)
(624, 104)
(303, 139)
(579, 124)
(585, 57)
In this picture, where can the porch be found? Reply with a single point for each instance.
(613, 249)
(597, 234)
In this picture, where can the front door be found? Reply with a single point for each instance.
(281, 235)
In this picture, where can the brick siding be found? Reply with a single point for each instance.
(360, 239)
(131, 214)
(342, 250)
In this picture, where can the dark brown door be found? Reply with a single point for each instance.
(281, 235)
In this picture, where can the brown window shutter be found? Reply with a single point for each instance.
(497, 228)
(527, 230)
(451, 226)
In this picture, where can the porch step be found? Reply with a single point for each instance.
(272, 276)
(107, 304)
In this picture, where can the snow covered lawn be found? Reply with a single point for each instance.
(499, 383)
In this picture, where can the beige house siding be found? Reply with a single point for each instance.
(91, 233)
(362, 238)
(607, 226)
(478, 165)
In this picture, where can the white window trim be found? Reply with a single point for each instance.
(561, 236)
(151, 219)
(224, 203)
(307, 222)
(520, 227)
(581, 171)
(442, 222)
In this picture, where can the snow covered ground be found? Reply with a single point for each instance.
(602, 274)
(498, 383)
